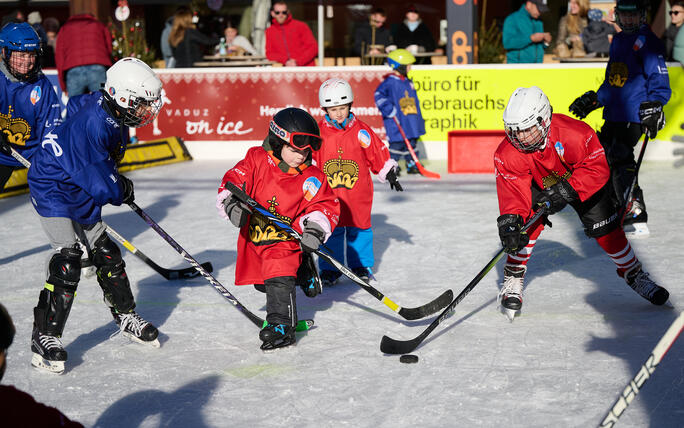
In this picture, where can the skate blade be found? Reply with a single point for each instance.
(88, 272)
(46, 366)
(269, 348)
(510, 313)
(153, 343)
(637, 230)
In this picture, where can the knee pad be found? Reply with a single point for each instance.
(56, 299)
(111, 275)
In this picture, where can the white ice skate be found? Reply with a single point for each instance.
(511, 294)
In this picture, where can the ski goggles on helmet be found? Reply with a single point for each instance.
(298, 140)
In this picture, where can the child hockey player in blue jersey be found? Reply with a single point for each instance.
(349, 153)
(633, 94)
(29, 107)
(72, 176)
(396, 98)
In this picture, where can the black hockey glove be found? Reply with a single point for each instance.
(236, 211)
(126, 189)
(652, 117)
(312, 237)
(394, 183)
(5, 145)
(512, 237)
(585, 104)
(558, 196)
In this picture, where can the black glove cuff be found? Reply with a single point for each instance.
(566, 191)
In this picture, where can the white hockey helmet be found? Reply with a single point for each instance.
(527, 119)
(335, 92)
(135, 91)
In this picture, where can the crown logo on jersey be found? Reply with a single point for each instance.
(263, 232)
(618, 74)
(554, 178)
(341, 172)
(408, 104)
(16, 130)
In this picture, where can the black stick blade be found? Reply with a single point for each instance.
(187, 273)
(428, 308)
(392, 346)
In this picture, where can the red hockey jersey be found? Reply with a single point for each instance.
(572, 152)
(295, 195)
(347, 156)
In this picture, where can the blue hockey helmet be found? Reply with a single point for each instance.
(21, 37)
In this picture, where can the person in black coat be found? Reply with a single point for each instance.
(413, 35)
(372, 36)
(677, 17)
(188, 43)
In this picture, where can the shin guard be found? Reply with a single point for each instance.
(111, 275)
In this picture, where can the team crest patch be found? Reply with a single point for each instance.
(36, 93)
(364, 138)
(311, 187)
(559, 149)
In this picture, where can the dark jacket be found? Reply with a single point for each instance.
(421, 36)
(363, 37)
(517, 29)
(189, 50)
(595, 37)
(669, 39)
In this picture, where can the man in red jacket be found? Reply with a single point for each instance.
(83, 54)
(289, 41)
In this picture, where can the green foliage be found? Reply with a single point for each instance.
(490, 46)
(128, 39)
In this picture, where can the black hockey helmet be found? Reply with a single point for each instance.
(630, 14)
(295, 127)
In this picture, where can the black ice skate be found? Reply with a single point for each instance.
(136, 328)
(639, 281)
(307, 277)
(636, 216)
(511, 293)
(276, 336)
(329, 278)
(48, 353)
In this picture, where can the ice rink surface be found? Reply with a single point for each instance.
(582, 336)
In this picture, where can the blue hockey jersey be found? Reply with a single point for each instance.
(396, 95)
(636, 72)
(73, 174)
(27, 112)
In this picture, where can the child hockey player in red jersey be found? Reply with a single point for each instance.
(349, 153)
(73, 175)
(556, 159)
(396, 97)
(280, 176)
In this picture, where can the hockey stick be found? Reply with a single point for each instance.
(259, 322)
(644, 373)
(422, 169)
(406, 313)
(393, 346)
(169, 274)
(635, 182)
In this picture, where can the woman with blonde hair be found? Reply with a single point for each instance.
(570, 28)
(186, 41)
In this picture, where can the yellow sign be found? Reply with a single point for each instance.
(474, 98)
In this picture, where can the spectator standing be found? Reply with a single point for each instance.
(237, 44)
(19, 408)
(14, 16)
(413, 35)
(289, 41)
(166, 50)
(678, 49)
(570, 27)
(523, 33)
(677, 18)
(372, 37)
(597, 35)
(83, 54)
(186, 41)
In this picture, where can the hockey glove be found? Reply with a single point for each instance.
(585, 104)
(236, 211)
(5, 145)
(394, 183)
(512, 237)
(126, 189)
(652, 117)
(312, 237)
(558, 196)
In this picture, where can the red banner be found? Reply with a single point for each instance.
(236, 105)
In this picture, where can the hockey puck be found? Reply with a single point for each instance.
(409, 359)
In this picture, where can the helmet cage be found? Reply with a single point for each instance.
(298, 140)
(140, 111)
(22, 39)
(636, 13)
(530, 139)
